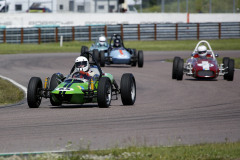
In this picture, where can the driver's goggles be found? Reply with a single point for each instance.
(81, 64)
(202, 52)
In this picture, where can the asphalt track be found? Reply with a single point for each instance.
(166, 112)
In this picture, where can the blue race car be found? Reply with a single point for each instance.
(118, 54)
(101, 44)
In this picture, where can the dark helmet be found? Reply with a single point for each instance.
(116, 43)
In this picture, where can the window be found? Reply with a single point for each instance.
(61, 7)
(80, 8)
(18, 7)
(101, 7)
(71, 5)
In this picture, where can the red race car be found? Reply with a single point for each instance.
(203, 64)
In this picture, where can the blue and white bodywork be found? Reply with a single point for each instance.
(119, 56)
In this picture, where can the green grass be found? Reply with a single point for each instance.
(9, 93)
(224, 44)
(220, 151)
(194, 6)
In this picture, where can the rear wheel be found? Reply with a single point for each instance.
(140, 58)
(174, 69)
(34, 97)
(53, 85)
(180, 64)
(102, 58)
(96, 55)
(128, 89)
(225, 65)
(230, 74)
(104, 95)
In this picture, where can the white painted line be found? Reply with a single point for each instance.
(16, 84)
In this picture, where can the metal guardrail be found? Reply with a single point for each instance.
(162, 31)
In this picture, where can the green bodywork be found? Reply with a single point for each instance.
(75, 91)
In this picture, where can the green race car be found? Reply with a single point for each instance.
(100, 88)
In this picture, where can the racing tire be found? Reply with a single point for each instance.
(34, 97)
(225, 64)
(174, 69)
(96, 55)
(230, 74)
(104, 92)
(128, 89)
(102, 59)
(140, 59)
(84, 49)
(180, 64)
(53, 85)
(134, 54)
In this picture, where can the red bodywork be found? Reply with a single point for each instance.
(205, 68)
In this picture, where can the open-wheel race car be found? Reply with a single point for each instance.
(100, 44)
(114, 52)
(76, 88)
(203, 64)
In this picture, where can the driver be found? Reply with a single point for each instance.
(202, 51)
(102, 40)
(82, 67)
(116, 43)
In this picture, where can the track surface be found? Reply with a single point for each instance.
(166, 112)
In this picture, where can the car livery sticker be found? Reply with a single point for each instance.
(65, 89)
(80, 87)
(205, 65)
(121, 52)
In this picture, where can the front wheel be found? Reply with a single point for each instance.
(225, 65)
(84, 49)
(34, 97)
(174, 69)
(134, 54)
(180, 64)
(53, 85)
(104, 92)
(230, 74)
(95, 55)
(140, 59)
(102, 59)
(128, 89)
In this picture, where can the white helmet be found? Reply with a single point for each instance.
(82, 64)
(202, 50)
(102, 40)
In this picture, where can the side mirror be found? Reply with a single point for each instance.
(216, 55)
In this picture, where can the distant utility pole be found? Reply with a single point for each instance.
(187, 6)
(28, 4)
(210, 6)
(234, 3)
(52, 5)
(5, 9)
(108, 6)
(163, 6)
(178, 6)
(95, 6)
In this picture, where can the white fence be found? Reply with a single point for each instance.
(160, 31)
(82, 19)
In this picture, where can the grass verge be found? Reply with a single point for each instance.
(75, 46)
(9, 93)
(219, 151)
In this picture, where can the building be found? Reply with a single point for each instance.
(59, 6)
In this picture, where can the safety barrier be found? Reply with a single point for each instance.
(162, 31)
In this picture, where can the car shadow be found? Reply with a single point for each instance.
(202, 79)
(118, 66)
(71, 106)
